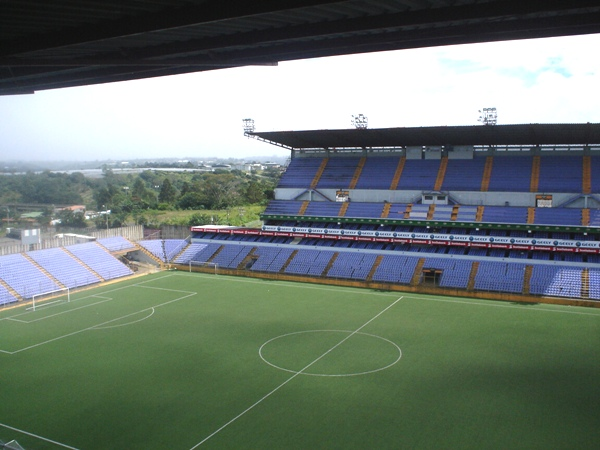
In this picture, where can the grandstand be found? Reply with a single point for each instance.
(506, 218)
(497, 220)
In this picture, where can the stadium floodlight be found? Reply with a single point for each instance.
(488, 116)
(360, 122)
(248, 126)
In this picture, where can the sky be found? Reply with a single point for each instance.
(200, 115)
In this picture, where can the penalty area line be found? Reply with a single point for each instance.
(38, 437)
(293, 376)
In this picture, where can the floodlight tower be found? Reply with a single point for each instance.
(248, 126)
(360, 122)
(488, 116)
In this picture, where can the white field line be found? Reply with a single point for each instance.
(491, 302)
(140, 284)
(289, 284)
(37, 436)
(106, 299)
(293, 376)
(500, 304)
(99, 325)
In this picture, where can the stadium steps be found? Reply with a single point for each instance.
(44, 271)
(248, 259)
(12, 292)
(303, 208)
(487, 173)
(320, 171)
(407, 211)
(441, 174)
(215, 254)
(530, 215)
(374, 268)
(150, 255)
(527, 279)
(454, 213)
(416, 278)
(479, 214)
(472, 275)
(535, 174)
(585, 283)
(398, 173)
(289, 260)
(85, 265)
(343, 209)
(181, 252)
(329, 264)
(386, 210)
(431, 211)
(357, 173)
(585, 217)
(586, 181)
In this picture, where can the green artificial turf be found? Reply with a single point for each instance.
(181, 361)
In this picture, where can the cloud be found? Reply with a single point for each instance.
(541, 80)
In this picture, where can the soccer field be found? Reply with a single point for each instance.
(183, 361)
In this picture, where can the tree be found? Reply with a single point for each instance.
(167, 192)
(71, 219)
(220, 191)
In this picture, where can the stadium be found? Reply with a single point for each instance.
(426, 287)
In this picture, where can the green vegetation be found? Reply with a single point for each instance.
(150, 198)
(172, 359)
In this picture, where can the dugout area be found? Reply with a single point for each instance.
(186, 360)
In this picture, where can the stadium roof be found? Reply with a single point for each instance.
(60, 43)
(528, 134)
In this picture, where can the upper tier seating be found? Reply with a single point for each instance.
(338, 173)
(463, 174)
(300, 172)
(419, 174)
(63, 267)
(511, 173)
(378, 173)
(560, 173)
(595, 175)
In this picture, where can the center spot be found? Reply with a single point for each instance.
(330, 353)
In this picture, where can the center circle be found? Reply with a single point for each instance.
(330, 353)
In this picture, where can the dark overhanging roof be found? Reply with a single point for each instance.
(62, 43)
(520, 135)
